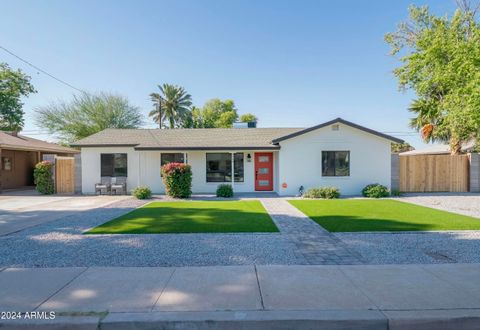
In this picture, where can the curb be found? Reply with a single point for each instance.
(326, 319)
(341, 319)
(464, 319)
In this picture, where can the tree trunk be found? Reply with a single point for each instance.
(455, 147)
(160, 114)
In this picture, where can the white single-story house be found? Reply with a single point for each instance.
(336, 153)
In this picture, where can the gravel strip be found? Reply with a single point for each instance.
(462, 203)
(60, 243)
(412, 248)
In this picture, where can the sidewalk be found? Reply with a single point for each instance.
(267, 297)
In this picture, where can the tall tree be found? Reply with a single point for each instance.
(248, 117)
(157, 113)
(215, 113)
(440, 59)
(401, 147)
(171, 104)
(13, 85)
(87, 114)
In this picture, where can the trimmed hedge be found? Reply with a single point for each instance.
(375, 190)
(325, 192)
(225, 190)
(177, 179)
(142, 192)
(42, 175)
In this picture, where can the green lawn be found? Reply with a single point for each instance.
(191, 217)
(351, 215)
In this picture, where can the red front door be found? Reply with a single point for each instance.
(263, 171)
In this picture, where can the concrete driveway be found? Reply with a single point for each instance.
(22, 210)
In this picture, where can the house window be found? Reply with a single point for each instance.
(238, 166)
(219, 167)
(6, 163)
(335, 163)
(171, 158)
(114, 165)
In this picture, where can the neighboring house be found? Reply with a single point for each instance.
(18, 156)
(336, 153)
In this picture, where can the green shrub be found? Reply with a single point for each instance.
(312, 193)
(224, 190)
(43, 179)
(177, 178)
(142, 192)
(325, 192)
(396, 193)
(375, 190)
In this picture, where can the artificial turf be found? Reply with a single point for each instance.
(191, 217)
(354, 215)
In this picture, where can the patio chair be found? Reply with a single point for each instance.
(119, 186)
(104, 185)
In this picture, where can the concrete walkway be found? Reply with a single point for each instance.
(316, 244)
(18, 212)
(293, 297)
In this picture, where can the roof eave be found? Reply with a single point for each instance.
(15, 147)
(273, 147)
(99, 145)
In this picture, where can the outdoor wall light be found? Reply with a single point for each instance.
(249, 158)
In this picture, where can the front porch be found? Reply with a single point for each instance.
(254, 171)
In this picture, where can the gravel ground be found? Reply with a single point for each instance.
(60, 243)
(423, 247)
(410, 248)
(462, 203)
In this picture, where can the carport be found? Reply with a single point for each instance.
(18, 156)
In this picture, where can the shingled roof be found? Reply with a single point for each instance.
(21, 142)
(206, 138)
(188, 139)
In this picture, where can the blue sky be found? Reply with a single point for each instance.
(292, 63)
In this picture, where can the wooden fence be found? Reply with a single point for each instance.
(64, 175)
(430, 173)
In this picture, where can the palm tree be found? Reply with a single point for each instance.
(156, 113)
(428, 119)
(172, 104)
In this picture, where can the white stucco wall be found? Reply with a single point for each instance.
(144, 169)
(150, 172)
(91, 167)
(300, 160)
